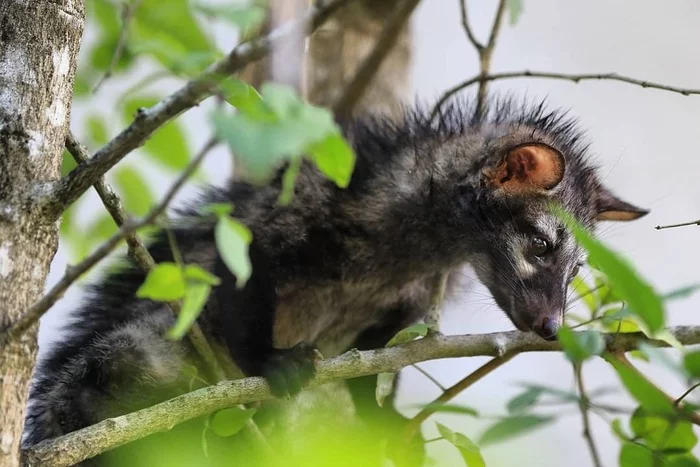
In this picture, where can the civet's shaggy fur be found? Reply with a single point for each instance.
(339, 268)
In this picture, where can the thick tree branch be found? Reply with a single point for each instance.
(562, 76)
(353, 91)
(72, 274)
(54, 198)
(118, 431)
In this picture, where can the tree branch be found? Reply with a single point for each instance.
(562, 76)
(54, 198)
(111, 433)
(72, 274)
(467, 28)
(584, 404)
(354, 90)
(451, 392)
(673, 226)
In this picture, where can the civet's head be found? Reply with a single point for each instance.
(506, 174)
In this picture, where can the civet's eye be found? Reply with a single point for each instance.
(539, 246)
(574, 272)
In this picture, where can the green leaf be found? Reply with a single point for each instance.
(168, 145)
(661, 356)
(648, 395)
(408, 334)
(683, 460)
(97, 130)
(634, 290)
(661, 434)
(196, 273)
(385, 385)
(334, 158)
(513, 426)
(633, 455)
(683, 292)
(134, 190)
(467, 448)
(524, 400)
(288, 181)
(580, 346)
(218, 209)
(196, 295)
(584, 292)
(165, 283)
(246, 18)
(242, 96)
(515, 8)
(228, 422)
(618, 431)
(619, 319)
(232, 241)
(691, 362)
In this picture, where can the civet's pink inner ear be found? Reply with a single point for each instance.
(528, 167)
(612, 208)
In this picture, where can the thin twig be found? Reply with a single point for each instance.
(673, 226)
(562, 76)
(108, 434)
(72, 274)
(467, 28)
(53, 198)
(686, 394)
(128, 11)
(414, 424)
(353, 91)
(430, 377)
(584, 404)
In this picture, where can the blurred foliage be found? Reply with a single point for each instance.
(271, 128)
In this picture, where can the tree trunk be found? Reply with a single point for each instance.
(39, 43)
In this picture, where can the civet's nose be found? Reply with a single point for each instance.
(547, 328)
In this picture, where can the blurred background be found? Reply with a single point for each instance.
(645, 140)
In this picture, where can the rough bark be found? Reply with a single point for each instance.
(39, 43)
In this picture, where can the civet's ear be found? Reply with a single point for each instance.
(612, 208)
(526, 168)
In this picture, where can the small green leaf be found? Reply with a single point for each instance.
(580, 346)
(385, 385)
(634, 290)
(524, 400)
(67, 163)
(218, 209)
(691, 362)
(228, 422)
(334, 158)
(513, 426)
(634, 455)
(618, 431)
(232, 241)
(467, 448)
(661, 434)
(247, 18)
(288, 181)
(648, 395)
(515, 9)
(134, 190)
(164, 283)
(584, 292)
(196, 273)
(408, 334)
(168, 145)
(683, 292)
(196, 295)
(242, 96)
